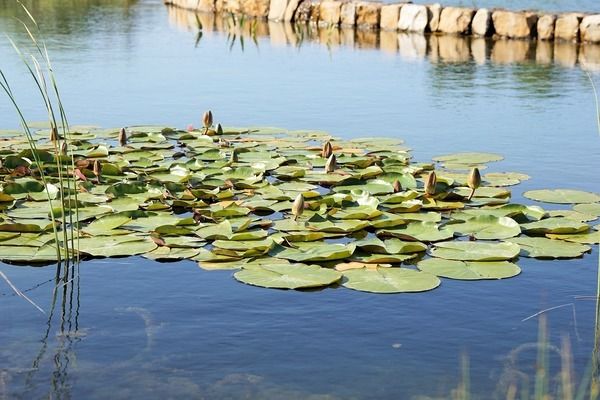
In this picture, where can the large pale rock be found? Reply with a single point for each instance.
(413, 18)
(545, 27)
(277, 10)
(232, 6)
(290, 10)
(590, 29)
(329, 12)
(368, 15)
(390, 14)
(255, 8)
(433, 16)
(567, 27)
(456, 20)
(205, 6)
(482, 23)
(517, 25)
(348, 14)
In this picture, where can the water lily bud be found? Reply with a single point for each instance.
(327, 150)
(207, 119)
(234, 156)
(430, 183)
(331, 164)
(474, 181)
(53, 134)
(97, 168)
(298, 206)
(219, 129)
(63, 148)
(397, 186)
(122, 137)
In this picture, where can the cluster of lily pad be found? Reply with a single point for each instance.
(286, 209)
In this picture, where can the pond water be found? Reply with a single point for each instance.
(132, 328)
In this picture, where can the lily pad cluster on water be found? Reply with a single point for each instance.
(286, 209)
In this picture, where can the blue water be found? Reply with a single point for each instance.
(141, 329)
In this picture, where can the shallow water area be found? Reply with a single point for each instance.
(134, 328)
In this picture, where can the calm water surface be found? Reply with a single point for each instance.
(132, 328)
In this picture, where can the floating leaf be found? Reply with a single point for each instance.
(470, 270)
(562, 196)
(315, 252)
(486, 227)
(475, 251)
(287, 276)
(540, 247)
(418, 231)
(554, 225)
(389, 280)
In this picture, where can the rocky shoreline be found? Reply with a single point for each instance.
(415, 18)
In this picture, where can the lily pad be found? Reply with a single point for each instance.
(469, 270)
(540, 247)
(562, 196)
(486, 227)
(475, 251)
(389, 280)
(288, 276)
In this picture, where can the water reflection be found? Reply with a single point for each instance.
(410, 47)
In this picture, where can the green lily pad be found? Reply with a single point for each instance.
(287, 276)
(475, 251)
(562, 196)
(470, 270)
(486, 227)
(590, 209)
(315, 252)
(540, 247)
(554, 225)
(419, 232)
(115, 246)
(468, 158)
(389, 280)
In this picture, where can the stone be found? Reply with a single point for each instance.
(206, 6)
(567, 27)
(590, 29)
(348, 14)
(390, 14)
(545, 27)
(290, 10)
(482, 23)
(232, 6)
(255, 8)
(329, 12)
(368, 15)
(315, 12)
(413, 18)
(277, 10)
(456, 20)
(303, 11)
(515, 25)
(433, 16)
